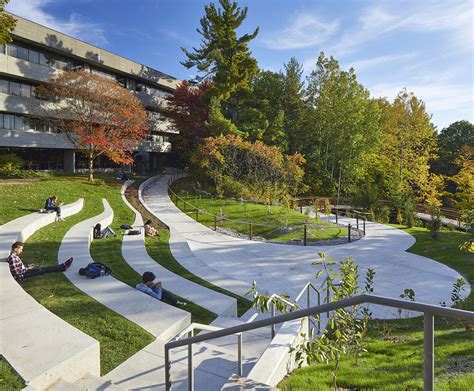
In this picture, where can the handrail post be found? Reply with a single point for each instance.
(305, 234)
(428, 359)
(337, 217)
(349, 233)
(190, 364)
(357, 221)
(184, 206)
(250, 231)
(167, 369)
(239, 354)
(308, 304)
(197, 214)
(215, 223)
(319, 316)
(364, 224)
(273, 314)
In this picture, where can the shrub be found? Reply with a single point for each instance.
(10, 162)
(435, 224)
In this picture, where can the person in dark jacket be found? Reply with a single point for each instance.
(52, 204)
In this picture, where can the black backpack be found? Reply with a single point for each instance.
(94, 270)
(97, 231)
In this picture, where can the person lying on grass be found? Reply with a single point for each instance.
(150, 230)
(20, 272)
(156, 290)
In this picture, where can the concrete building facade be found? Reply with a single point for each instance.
(38, 53)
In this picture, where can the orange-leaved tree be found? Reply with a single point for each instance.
(251, 170)
(98, 116)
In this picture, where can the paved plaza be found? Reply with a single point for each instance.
(279, 268)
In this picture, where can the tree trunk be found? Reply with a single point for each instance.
(91, 168)
(334, 375)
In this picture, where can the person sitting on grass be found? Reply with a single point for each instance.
(20, 272)
(150, 230)
(156, 290)
(51, 204)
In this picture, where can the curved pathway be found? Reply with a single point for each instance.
(284, 268)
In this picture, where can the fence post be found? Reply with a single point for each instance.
(197, 214)
(215, 223)
(250, 231)
(305, 234)
(349, 233)
(428, 359)
(337, 216)
(364, 225)
(357, 222)
(273, 314)
(301, 208)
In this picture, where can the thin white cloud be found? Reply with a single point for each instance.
(306, 31)
(372, 62)
(453, 17)
(448, 102)
(75, 26)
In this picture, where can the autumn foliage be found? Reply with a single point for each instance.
(98, 115)
(189, 111)
(251, 170)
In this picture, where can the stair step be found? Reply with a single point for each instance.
(87, 383)
(238, 383)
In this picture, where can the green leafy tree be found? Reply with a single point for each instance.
(403, 157)
(222, 55)
(451, 140)
(7, 23)
(293, 105)
(343, 129)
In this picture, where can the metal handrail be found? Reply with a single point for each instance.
(428, 310)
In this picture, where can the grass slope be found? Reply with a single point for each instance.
(158, 249)
(118, 337)
(268, 222)
(395, 347)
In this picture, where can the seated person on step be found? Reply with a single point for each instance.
(52, 204)
(156, 289)
(149, 230)
(106, 232)
(20, 272)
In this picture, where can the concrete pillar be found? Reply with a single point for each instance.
(69, 159)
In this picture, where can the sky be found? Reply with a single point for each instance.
(425, 46)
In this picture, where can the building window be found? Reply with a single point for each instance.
(12, 50)
(33, 56)
(18, 122)
(22, 53)
(15, 88)
(4, 87)
(2, 48)
(8, 121)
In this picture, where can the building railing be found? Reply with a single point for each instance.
(428, 310)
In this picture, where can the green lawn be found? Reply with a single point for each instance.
(158, 248)
(118, 337)
(395, 360)
(9, 379)
(274, 223)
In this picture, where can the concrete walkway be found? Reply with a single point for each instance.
(284, 268)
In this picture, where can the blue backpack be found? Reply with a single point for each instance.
(94, 270)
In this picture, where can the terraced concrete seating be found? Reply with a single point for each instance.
(160, 319)
(39, 345)
(159, 204)
(134, 252)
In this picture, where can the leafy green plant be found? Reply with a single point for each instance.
(458, 287)
(10, 162)
(346, 327)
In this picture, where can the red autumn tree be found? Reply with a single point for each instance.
(98, 115)
(189, 111)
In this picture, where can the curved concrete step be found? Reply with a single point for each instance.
(134, 252)
(160, 319)
(156, 201)
(38, 344)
